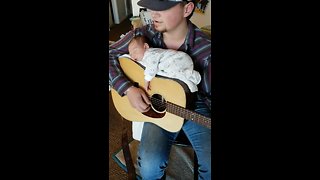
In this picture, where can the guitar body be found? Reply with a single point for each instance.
(169, 89)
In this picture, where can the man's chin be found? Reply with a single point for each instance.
(158, 28)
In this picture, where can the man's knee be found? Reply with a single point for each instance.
(204, 169)
(151, 168)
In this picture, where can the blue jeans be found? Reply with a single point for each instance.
(155, 145)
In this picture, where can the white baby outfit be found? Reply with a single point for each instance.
(170, 63)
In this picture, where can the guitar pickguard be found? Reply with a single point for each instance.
(158, 107)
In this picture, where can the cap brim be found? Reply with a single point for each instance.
(157, 5)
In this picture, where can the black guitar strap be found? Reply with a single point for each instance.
(126, 149)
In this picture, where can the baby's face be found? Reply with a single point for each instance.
(136, 51)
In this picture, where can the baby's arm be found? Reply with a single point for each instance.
(151, 64)
(147, 86)
(151, 70)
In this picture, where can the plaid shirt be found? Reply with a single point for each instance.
(197, 45)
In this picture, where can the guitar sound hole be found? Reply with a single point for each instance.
(158, 102)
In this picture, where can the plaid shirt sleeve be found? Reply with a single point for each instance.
(206, 85)
(200, 51)
(117, 79)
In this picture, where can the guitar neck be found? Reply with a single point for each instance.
(188, 114)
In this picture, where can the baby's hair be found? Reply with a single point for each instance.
(139, 39)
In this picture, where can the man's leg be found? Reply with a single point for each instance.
(200, 138)
(154, 150)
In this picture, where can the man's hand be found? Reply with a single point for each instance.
(138, 99)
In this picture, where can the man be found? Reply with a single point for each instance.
(171, 29)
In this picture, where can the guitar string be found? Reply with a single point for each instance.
(206, 121)
(161, 104)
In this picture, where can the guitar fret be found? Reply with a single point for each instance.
(188, 114)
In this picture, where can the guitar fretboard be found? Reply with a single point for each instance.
(188, 114)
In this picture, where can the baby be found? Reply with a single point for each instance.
(165, 62)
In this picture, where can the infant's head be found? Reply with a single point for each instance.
(137, 47)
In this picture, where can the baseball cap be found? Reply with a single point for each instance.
(159, 5)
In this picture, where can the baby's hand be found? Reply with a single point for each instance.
(147, 86)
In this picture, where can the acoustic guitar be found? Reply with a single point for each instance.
(168, 100)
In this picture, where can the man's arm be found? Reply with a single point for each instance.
(137, 97)
(206, 85)
(116, 76)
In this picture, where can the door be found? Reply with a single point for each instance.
(121, 10)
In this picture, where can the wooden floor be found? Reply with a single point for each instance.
(115, 126)
(115, 130)
(118, 29)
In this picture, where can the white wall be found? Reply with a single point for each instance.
(202, 19)
(135, 7)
